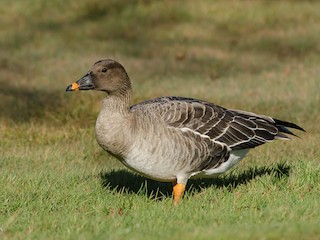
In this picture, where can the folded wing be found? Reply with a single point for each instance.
(234, 128)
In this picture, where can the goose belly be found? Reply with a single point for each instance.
(161, 156)
(154, 162)
(144, 166)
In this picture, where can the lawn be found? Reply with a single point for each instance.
(57, 183)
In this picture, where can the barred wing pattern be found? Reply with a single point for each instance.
(234, 128)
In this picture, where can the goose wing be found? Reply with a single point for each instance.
(234, 128)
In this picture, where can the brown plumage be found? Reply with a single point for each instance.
(173, 138)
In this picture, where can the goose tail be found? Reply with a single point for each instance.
(283, 128)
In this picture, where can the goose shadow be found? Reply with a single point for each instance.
(123, 181)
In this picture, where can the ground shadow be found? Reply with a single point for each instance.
(22, 104)
(128, 182)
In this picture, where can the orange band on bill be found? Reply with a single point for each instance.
(75, 86)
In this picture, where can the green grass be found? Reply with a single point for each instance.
(56, 182)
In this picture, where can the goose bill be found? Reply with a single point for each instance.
(84, 83)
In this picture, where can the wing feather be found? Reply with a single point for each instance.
(234, 128)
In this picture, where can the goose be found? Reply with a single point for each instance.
(173, 139)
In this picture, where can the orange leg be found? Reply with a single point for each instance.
(178, 190)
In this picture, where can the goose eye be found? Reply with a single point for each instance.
(104, 70)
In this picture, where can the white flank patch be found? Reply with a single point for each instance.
(235, 157)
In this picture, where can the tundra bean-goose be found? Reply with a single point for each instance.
(172, 139)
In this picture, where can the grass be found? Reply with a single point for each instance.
(56, 182)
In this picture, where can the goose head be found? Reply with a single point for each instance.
(105, 75)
